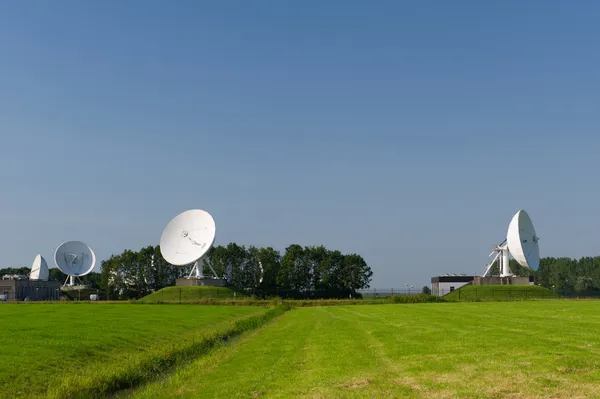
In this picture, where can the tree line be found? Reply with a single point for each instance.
(565, 275)
(309, 271)
(299, 272)
(570, 275)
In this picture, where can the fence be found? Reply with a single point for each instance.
(499, 293)
(388, 292)
(188, 294)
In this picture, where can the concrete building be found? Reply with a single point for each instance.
(19, 289)
(442, 285)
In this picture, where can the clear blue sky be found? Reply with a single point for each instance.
(409, 132)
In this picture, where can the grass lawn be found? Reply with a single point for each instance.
(526, 350)
(41, 344)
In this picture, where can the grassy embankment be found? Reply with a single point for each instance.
(469, 350)
(500, 293)
(193, 295)
(90, 350)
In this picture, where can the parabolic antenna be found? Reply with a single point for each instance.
(75, 259)
(522, 241)
(187, 238)
(39, 269)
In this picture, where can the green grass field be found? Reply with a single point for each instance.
(191, 294)
(41, 344)
(523, 349)
(538, 349)
(500, 292)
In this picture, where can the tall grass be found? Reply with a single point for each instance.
(420, 298)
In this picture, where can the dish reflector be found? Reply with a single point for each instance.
(39, 269)
(187, 237)
(75, 258)
(522, 241)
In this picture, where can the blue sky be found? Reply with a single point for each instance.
(407, 131)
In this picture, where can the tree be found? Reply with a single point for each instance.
(356, 272)
(271, 263)
(218, 258)
(295, 273)
(54, 274)
(237, 261)
(15, 270)
(331, 271)
(583, 283)
(426, 290)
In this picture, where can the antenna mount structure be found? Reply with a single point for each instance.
(501, 253)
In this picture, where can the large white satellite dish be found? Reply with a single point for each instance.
(521, 242)
(187, 238)
(39, 269)
(75, 259)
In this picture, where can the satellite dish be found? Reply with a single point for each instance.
(521, 242)
(75, 259)
(39, 269)
(187, 238)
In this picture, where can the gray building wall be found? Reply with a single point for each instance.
(443, 288)
(18, 290)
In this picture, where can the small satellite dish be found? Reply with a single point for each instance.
(521, 242)
(75, 259)
(187, 238)
(39, 269)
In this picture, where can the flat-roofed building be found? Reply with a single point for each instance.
(442, 285)
(18, 289)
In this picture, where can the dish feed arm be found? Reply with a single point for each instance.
(491, 264)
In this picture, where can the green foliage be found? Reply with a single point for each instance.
(302, 272)
(15, 270)
(136, 274)
(426, 290)
(564, 275)
(420, 298)
(567, 275)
